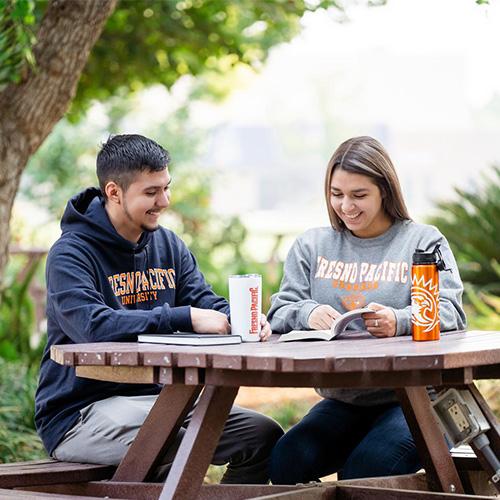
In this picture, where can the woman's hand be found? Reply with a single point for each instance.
(322, 317)
(265, 331)
(382, 322)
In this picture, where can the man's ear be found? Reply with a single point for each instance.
(113, 192)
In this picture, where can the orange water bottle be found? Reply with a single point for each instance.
(425, 294)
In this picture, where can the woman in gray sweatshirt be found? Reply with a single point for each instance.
(364, 259)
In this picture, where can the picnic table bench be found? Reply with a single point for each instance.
(216, 372)
(49, 471)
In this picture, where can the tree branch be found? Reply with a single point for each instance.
(68, 32)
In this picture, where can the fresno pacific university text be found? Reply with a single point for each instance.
(361, 272)
(254, 308)
(141, 286)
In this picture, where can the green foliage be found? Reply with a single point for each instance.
(146, 42)
(18, 439)
(484, 308)
(286, 413)
(158, 41)
(16, 39)
(63, 165)
(17, 315)
(471, 223)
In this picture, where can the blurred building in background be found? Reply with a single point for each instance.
(404, 73)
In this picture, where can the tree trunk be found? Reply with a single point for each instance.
(29, 110)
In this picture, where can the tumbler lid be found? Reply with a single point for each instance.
(244, 276)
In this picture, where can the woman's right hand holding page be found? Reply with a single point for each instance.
(322, 317)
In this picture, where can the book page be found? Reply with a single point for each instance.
(306, 335)
(340, 324)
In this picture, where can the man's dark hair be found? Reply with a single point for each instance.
(123, 156)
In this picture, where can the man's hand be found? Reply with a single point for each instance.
(322, 317)
(208, 321)
(382, 322)
(265, 331)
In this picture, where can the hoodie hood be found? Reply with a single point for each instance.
(86, 215)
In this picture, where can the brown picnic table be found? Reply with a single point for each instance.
(214, 374)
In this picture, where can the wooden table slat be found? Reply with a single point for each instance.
(156, 359)
(194, 359)
(91, 358)
(263, 363)
(365, 363)
(228, 361)
(124, 358)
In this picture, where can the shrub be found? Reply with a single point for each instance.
(17, 314)
(18, 439)
(471, 223)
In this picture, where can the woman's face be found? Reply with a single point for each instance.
(357, 201)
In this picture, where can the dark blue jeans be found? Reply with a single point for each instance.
(339, 437)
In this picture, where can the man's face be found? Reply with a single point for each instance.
(142, 203)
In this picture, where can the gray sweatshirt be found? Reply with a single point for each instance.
(325, 266)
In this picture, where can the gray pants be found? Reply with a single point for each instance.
(107, 428)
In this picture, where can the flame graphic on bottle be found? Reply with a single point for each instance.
(424, 303)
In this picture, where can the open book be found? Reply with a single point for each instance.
(338, 326)
(189, 339)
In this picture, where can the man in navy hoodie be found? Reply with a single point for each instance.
(113, 274)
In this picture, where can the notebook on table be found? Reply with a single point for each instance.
(189, 339)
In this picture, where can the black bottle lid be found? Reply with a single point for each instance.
(433, 257)
(423, 257)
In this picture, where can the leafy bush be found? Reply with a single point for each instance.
(18, 439)
(471, 223)
(17, 314)
(16, 39)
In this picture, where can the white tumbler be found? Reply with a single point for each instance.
(245, 301)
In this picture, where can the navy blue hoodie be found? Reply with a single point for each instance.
(104, 288)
